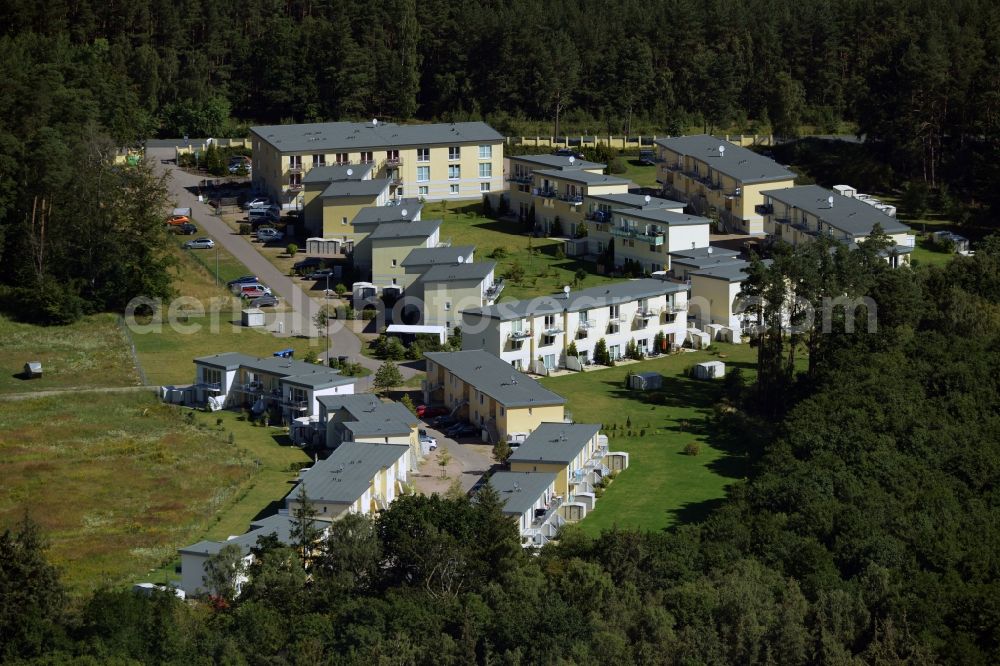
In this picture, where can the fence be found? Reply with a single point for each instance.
(625, 142)
(201, 145)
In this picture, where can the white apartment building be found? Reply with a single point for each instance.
(534, 334)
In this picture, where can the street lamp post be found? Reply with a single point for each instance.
(326, 305)
(216, 264)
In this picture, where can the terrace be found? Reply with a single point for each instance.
(635, 234)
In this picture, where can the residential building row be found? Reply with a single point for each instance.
(535, 335)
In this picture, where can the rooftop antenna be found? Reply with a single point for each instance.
(829, 200)
(722, 151)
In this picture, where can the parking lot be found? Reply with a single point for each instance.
(470, 459)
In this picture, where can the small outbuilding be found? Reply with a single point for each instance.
(32, 369)
(253, 317)
(710, 370)
(646, 381)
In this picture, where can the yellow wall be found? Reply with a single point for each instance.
(526, 419)
(460, 295)
(561, 472)
(337, 209)
(385, 251)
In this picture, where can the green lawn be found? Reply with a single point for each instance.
(219, 258)
(662, 485)
(119, 481)
(166, 355)
(640, 174)
(91, 352)
(923, 254)
(544, 273)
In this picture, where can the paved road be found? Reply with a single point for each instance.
(303, 308)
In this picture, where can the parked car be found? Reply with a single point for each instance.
(256, 202)
(322, 274)
(425, 412)
(269, 235)
(242, 279)
(199, 244)
(264, 214)
(177, 220)
(186, 229)
(265, 301)
(429, 442)
(460, 430)
(444, 422)
(308, 264)
(568, 152)
(254, 289)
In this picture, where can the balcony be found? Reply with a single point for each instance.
(294, 187)
(574, 199)
(647, 312)
(294, 168)
(552, 329)
(598, 216)
(210, 386)
(764, 209)
(522, 334)
(523, 178)
(393, 162)
(296, 405)
(674, 309)
(585, 324)
(635, 234)
(493, 292)
(431, 386)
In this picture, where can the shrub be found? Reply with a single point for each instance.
(368, 314)
(692, 449)
(341, 289)
(407, 402)
(311, 357)
(560, 252)
(498, 253)
(245, 229)
(292, 249)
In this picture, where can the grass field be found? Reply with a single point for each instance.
(544, 273)
(117, 481)
(640, 174)
(662, 485)
(89, 353)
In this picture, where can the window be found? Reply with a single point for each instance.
(454, 171)
(447, 305)
(502, 410)
(319, 160)
(295, 162)
(485, 170)
(341, 158)
(613, 312)
(481, 398)
(423, 154)
(615, 351)
(548, 340)
(423, 173)
(343, 220)
(422, 190)
(485, 152)
(366, 158)
(392, 156)
(393, 263)
(453, 188)
(211, 376)
(484, 187)
(550, 321)
(454, 152)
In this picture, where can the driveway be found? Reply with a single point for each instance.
(302, 307)
(469, 462)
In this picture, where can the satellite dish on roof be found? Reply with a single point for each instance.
(403, 212)
(350, 172)
(722, 150)
(648, 198)
(461, 259)
(572, 159)
(374, 122)
(829, 200)
(566, 291)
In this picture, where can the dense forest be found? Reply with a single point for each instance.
(921, 81)
(868, 532)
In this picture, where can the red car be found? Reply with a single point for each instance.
(425, 412)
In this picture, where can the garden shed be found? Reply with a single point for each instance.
(253, 317)
(646, 381)
(33, 369)
(710, 370)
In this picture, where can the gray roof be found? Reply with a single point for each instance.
(477, 270)
(437, 256)
(347, 473)
(393, 213)
(520, 490)
(354, 137)
(738, 163)
(328, 174)
(705, 262)
(849, 215)
(662, 216)
(703, 253)
(493, 376)
(635, 201)
(557, 162)
(356, 188)
(731, 272)
(585, 177)
(417, 229)
(280, 525)
(594, 297)
(555, 443)
(289, 370)
(371, 416)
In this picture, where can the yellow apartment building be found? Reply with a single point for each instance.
(558, 194)
(439, 161)
(716, 176)
(487, 392)
(521, 177)
(446, 290)
(571, 451)
(379, 256)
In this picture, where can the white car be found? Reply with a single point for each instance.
(258, 202)
(199, 244)
(429, 442)
(269, 235)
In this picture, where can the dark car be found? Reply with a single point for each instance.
(308, 264)
(242, 279)
(265, 301)
(186, 229)
(567, 152)
(443, 422)
(321, 274)
(460, 430)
